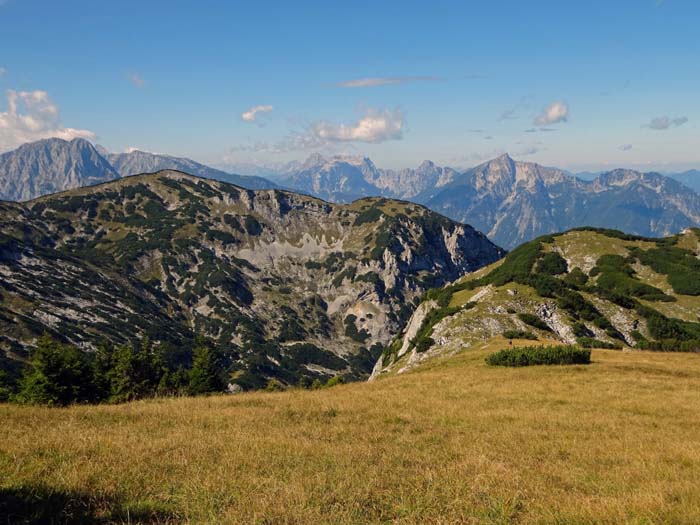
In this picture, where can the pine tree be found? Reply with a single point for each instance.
(58, 375)
(136, 372)
(205, 375)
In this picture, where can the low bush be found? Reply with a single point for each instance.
(534, 321)
(552, 263)
(519, 334)
(540, 355)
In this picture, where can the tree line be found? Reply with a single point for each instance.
(61, 374)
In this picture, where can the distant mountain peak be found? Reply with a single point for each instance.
(51, 165)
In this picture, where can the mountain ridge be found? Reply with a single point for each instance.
(53, 165)
(289, 286)
(593, 287)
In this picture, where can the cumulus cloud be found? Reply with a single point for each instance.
(136, 79)
(374, 127)
(30, 116)
(252, 114)
(381, 81)
(665, 122)
(554, 113)
(626, 147)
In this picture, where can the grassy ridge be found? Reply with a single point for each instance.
(457, 441)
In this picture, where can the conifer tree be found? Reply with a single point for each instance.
(205, 375)
(58, 375)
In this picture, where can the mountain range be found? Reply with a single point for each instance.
(288, 286)
(511, 201)
(53, 165)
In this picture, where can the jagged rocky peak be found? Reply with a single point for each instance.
(51, 165)
(497, 175)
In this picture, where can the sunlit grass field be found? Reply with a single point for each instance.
(617, 441)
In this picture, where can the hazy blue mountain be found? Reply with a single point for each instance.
(690, 178)
(136, 162)
(513, 201)
(345, 178)
(51, 165)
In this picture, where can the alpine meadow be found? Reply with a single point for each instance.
(311, 263)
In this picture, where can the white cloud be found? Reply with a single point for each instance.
(554, 113)
(381, 81)
(665, 122)
(626, 147)
(251, 114)
(136, 79)
(30, 116)
(375, 127)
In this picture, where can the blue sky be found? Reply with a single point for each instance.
(580, 85)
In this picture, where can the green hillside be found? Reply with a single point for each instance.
(597, 288)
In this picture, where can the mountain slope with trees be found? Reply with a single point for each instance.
(286, 287)
(592, 287)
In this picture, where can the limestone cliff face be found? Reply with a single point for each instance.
(51, 165)
(290, 285)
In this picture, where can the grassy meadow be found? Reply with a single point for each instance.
(457, 441)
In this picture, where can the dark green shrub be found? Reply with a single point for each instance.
(519, 334)
(540, 355)
(552, 263)
(252, 226)
(576, 277)
(534, 321)
(352, 332)
(424, 344)
(681, 266)
(335, 380)
(369, 215)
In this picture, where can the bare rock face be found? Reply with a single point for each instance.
(51, 165)
(289, 286)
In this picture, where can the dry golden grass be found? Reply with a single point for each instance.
(617, 441)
